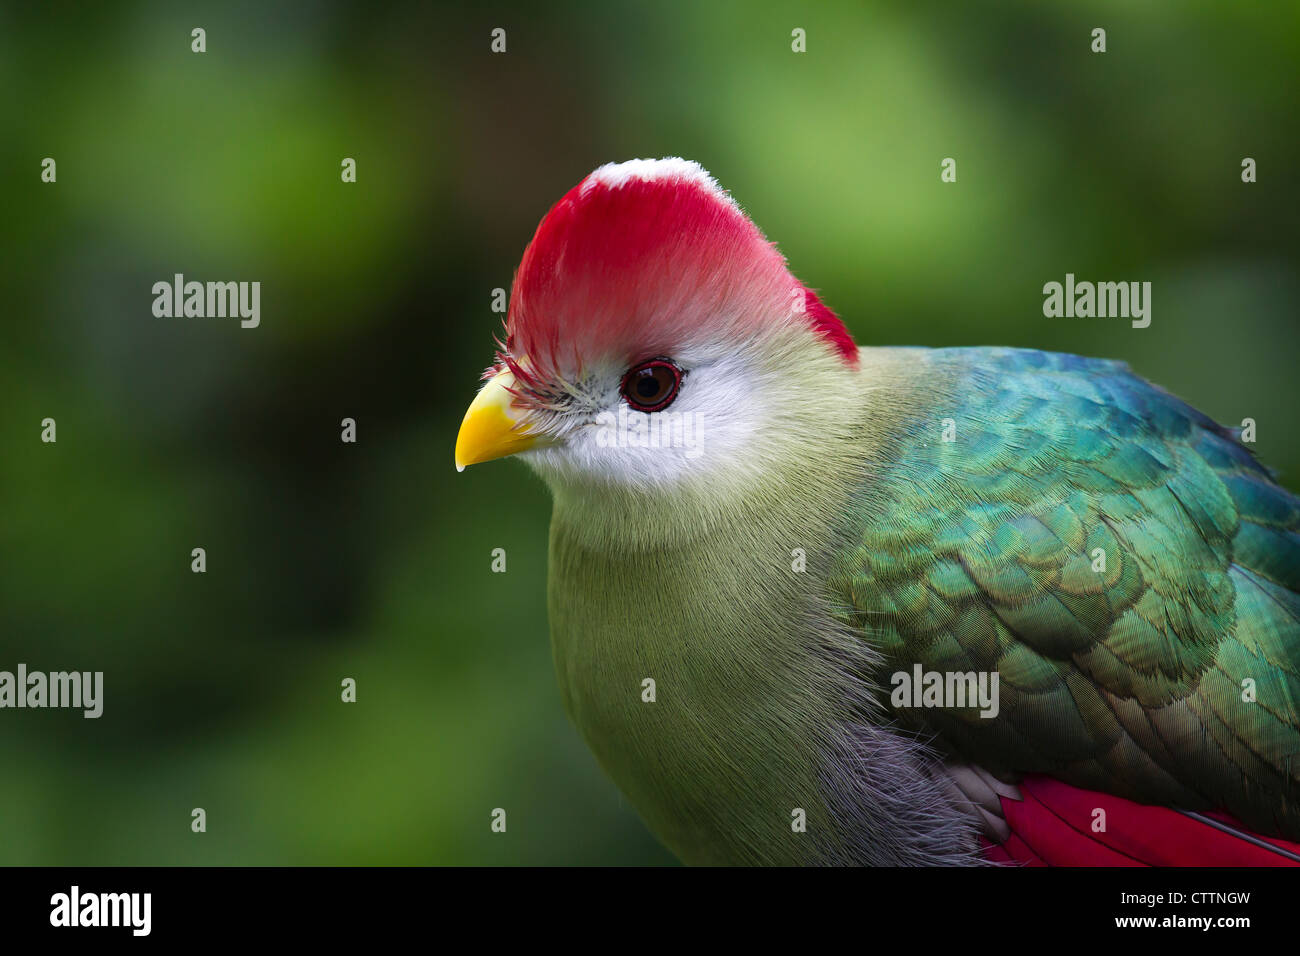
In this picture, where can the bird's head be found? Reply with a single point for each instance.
(654, 336)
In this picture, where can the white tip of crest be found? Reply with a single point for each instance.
(615, 175)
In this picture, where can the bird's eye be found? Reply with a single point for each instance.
(651, 385)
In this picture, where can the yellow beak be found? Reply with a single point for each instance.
(493, 427)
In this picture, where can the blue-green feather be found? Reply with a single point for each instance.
(1172, 673)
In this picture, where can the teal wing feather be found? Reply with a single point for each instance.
(1124, 565)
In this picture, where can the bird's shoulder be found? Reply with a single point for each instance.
(1119, 560)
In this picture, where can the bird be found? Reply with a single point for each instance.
(812, 603)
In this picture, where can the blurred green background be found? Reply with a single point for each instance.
(372, 561)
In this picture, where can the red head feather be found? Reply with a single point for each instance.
(643, 257)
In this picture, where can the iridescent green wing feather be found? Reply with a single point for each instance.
(1123, 564)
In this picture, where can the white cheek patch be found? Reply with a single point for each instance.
(669, 429)
(711, 426)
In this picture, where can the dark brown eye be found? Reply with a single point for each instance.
(652, 385)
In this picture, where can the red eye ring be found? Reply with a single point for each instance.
(651, 385)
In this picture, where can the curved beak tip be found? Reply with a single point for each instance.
(493, 427)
